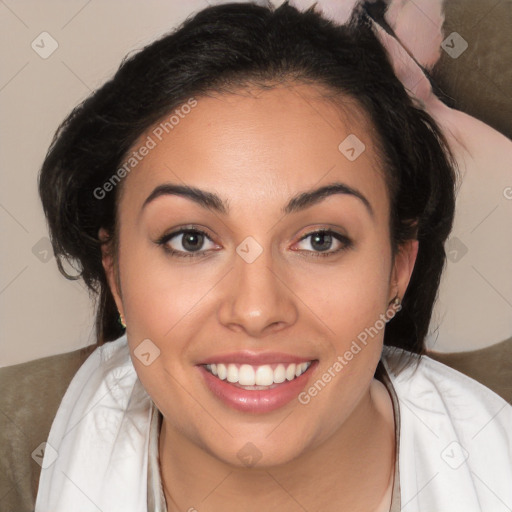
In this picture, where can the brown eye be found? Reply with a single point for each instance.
(186, 243)
(322, 241)
(192, 241)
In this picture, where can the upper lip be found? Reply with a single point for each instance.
(255, 358)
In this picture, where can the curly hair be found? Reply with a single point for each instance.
(234, 45)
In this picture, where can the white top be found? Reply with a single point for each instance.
(454, 450)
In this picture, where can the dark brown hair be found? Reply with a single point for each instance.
(231, 45)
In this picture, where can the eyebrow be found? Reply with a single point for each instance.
(299, 202)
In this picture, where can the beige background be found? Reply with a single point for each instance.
(41, 313)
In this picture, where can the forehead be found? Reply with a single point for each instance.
(258, 143)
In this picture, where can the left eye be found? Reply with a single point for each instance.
(322, 241)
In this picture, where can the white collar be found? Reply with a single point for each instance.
(98, 444)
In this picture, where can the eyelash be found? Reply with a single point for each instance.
(180, 254)
(345, 241)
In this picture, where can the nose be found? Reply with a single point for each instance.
(257, 299)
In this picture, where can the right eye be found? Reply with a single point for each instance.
(185, 243)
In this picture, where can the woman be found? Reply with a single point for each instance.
(262, 209)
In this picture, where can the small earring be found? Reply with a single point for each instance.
(121, 321)
(397, 303)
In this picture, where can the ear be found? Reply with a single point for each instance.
(402, 268)
(111, 271)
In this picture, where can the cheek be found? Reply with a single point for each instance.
(351, 294)
(160, 303)
(158, 293)
(350, 299)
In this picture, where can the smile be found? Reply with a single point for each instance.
(256, 389)
(257, 377)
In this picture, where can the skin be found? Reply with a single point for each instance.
(256, 149)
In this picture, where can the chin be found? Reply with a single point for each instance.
(269, 447)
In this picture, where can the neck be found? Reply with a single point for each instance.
(352, 470)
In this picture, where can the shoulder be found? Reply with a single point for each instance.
(430, 385)
(455, 437)
(31, 395)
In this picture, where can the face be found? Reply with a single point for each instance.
(257, 271)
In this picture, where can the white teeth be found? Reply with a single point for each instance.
(280, 374)
(232, 373)
(222, 371)
(290, 372)
(247, 375)
(264, 376)
(301, 368)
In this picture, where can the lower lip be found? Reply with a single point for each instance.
(256, 401)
